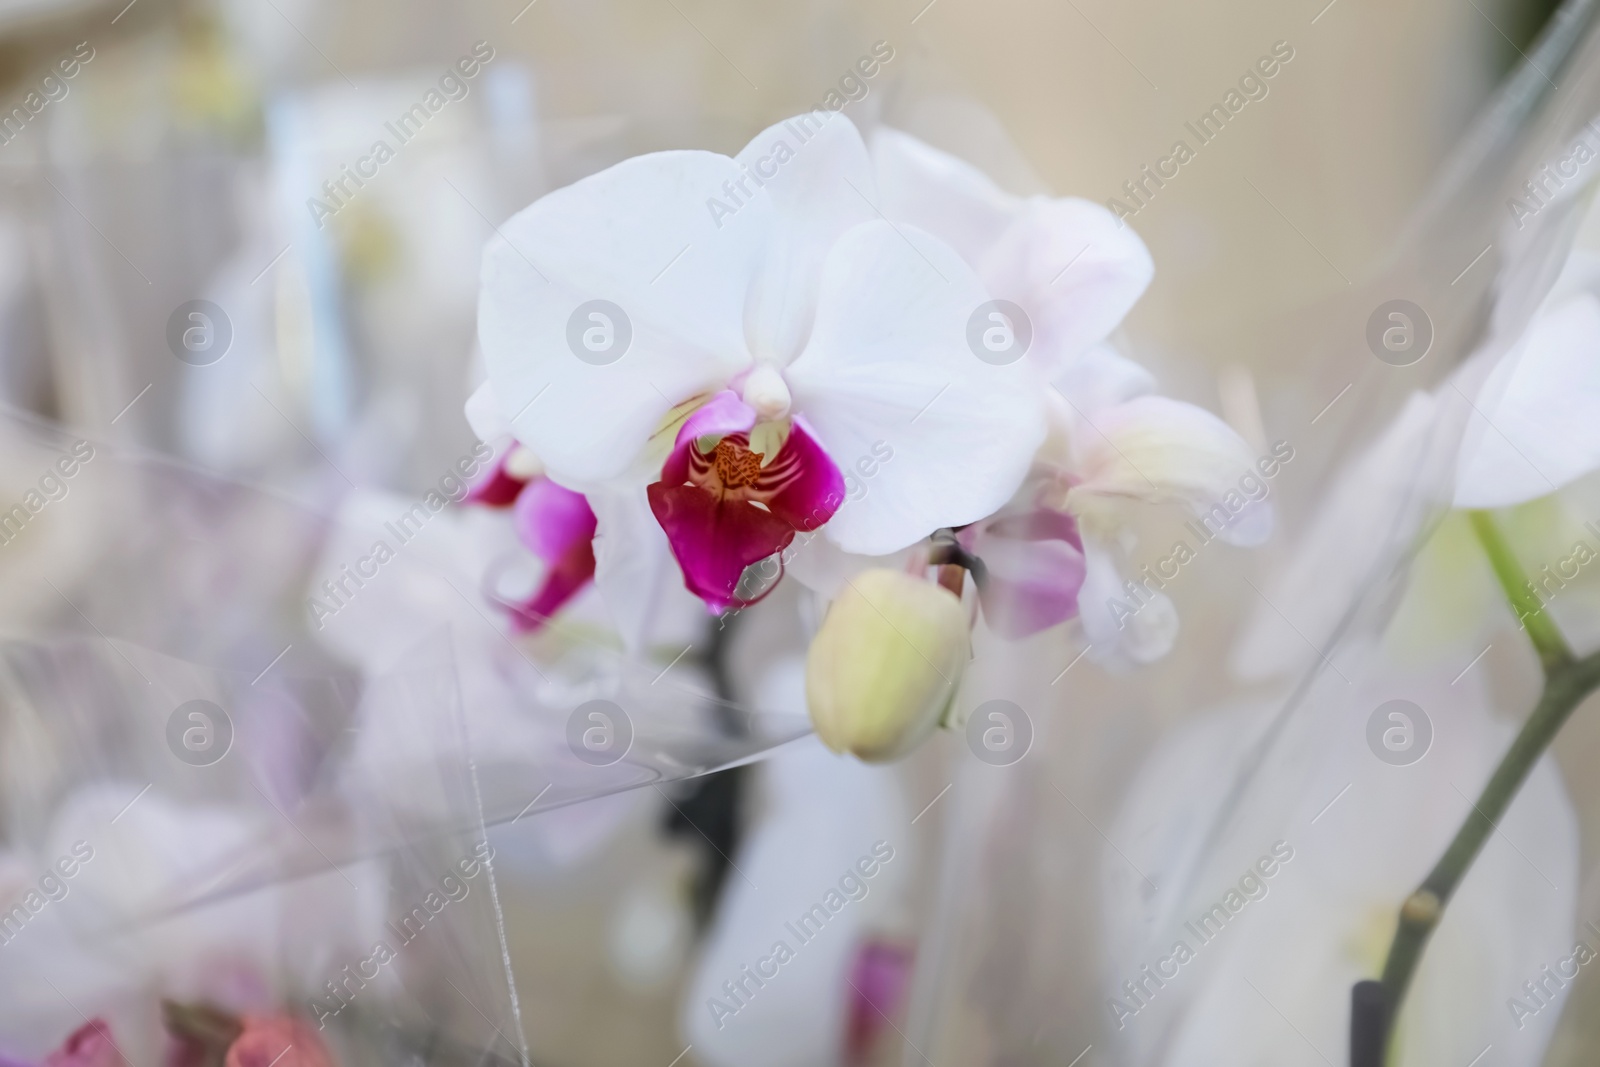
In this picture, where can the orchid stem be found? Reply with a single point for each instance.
(1567, 681)
(946, 551)
(1542, 630)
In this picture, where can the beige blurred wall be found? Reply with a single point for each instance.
(1088, 90)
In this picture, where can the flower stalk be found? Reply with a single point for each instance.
(1567, 681)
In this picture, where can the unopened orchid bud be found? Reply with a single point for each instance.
(885, 664)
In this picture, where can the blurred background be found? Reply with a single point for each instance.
(199, 156)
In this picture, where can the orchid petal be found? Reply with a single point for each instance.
(940, 193)
(483, 413)
(552, 521)
(815, 171)
(1158, 450)
(639, 236)
(1101, 377)
(1122, 628)
(567, 576)
(638, 579)
(723, 414)
(716, 532)
(1034, 570)
(498, 488)
(715, 539)
(1539, 431)
(1329, 908)
(888, 374)
(1074, 267)
(812, 486)
(558, 526)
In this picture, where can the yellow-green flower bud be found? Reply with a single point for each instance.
(885, 664)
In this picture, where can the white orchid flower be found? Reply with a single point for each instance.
(1531, 432)
(1268, 983)
(1056, 551)
(734, 332)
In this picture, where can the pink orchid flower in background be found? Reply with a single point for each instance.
(771, 340)
(91, 1045)
(555, 524)
(280, 1040)
(879, 977)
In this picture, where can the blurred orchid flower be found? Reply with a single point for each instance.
(1531, 434)
(555, 524)
(91, 1045)
(1075, 271)
(1360, 833)
(1539, 430)
(265, 1041)
(1059, 549)
(126, 919)
(827, 873)
(777, 327)
(1071, 265)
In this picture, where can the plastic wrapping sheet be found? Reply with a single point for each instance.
(1147, 797)
(214, 857)
(300, 782)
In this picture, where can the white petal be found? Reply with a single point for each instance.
(1122, 628)
(888, 376)
(637, 577)
(1156, 449)
(1099, 377)
(641, 236)
(1071, 264)
(818, 179)
(1074, 268)
(1540, 412)
(484, 414)
(1322, 919)
(937, 192)
(1579, 274)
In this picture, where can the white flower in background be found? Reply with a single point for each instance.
(1058, 549)
(813, 875)
(445, 576)
(1324, 919)
(123, 920)
(1540, 429)
(766, 349)
(1533, 430)
(1072, 267)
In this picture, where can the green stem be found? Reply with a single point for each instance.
(1567, 681)
(1542, 631)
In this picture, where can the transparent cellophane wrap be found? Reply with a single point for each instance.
(1148, 795)
(267, 799)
